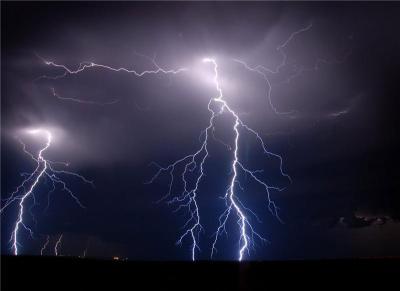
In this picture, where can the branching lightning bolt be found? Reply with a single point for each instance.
(83, 66)
(187, 199)
(298, 70)
(45, 169)
(87, 65)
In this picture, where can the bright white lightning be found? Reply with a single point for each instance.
(44, 170)
(86, 65)
(187, 199)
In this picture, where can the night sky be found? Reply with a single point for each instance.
(340, 146)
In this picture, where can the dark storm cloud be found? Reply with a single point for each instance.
(339, 147)
(356, 221)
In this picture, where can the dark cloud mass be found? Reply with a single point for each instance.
(340, 146)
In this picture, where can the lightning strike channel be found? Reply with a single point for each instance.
(58, 245)
(84, 66)
(297, 70)
(81, 101)
(91, 65)
(188, 197)
(45, 169)
(45, 245)
(265, 72)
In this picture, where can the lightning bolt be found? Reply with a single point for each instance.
(45, 245)
(86, 249)
(77, 100)
(57, 245)
(45, 169)
(265, 72)
(188, 198)
(87, 65)
(83, 66)
(297, 70)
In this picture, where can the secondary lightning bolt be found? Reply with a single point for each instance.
(45, 245)
(57, 245)
(265, 72)
(187, 199)
(44, 169)
(87, 65)
(91, 65)
(298, 70)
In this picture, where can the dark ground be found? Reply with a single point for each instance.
(38, 273)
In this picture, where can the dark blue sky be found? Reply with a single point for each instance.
(340, 147)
